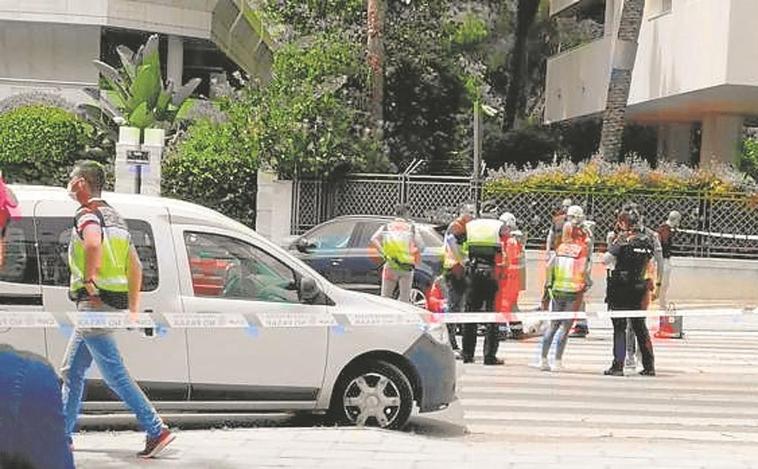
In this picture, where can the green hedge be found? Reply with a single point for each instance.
(212, 166)
(598, 175)
(39, 144)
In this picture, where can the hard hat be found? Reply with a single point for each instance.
(575, 215)
(508, 220)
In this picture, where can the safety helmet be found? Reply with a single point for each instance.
(674, 218)
(508, 220)
(575, 215)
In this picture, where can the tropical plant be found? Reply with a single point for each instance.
(137, 95)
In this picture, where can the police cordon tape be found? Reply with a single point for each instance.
(210, 320)
(721, 235)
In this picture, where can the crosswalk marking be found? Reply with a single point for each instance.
(706, 390)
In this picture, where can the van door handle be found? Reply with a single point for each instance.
(336, 262)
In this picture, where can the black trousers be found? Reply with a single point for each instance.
(481, 297)
(626, 300)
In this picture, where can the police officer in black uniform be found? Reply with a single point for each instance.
(629, 253)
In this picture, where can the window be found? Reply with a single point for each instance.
(225, 267)
(54, 233)
(430, 238)
(332, 236)
(364, 231)
(20, 264)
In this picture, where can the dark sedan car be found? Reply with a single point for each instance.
(339, 250)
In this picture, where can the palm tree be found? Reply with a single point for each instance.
(624, 54)
(526, 12)
(376, 11)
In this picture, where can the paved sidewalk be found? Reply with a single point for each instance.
(372, 448)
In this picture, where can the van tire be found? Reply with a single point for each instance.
(360, 384)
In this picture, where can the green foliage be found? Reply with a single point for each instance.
(40, 144)
(307, 121)
(470, 32)
(136, 95)
(599, 175)
(749, 157)
(214, 167)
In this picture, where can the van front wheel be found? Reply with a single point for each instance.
(373, 393)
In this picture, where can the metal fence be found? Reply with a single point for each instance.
(708, 223)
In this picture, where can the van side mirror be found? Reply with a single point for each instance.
(309, 290)
(304, 245)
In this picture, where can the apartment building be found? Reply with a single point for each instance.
(49, 45)
(695, 75)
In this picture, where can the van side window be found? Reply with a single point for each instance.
(20, 264)
(225, 267)
(54, 233)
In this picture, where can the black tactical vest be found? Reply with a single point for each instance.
(633, 259)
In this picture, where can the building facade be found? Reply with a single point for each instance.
(49, 45)
(695, 74)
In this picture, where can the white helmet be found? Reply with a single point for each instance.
(575, 215)
(508, 220)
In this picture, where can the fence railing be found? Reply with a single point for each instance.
(708, 221)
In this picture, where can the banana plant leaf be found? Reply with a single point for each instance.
(164, 100)
(150, 54)
(185, 92)
(112, 77)
(127, 62)
(145, 89)
(141, 117)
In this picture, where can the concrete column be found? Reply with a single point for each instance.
(674, 142)
(720, 139)
(273, 213)
(175, 60)
(151, 173)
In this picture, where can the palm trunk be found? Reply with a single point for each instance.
(376, 11)
(624, 54)
(514, 98)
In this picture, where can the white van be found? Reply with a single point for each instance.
(198, 261)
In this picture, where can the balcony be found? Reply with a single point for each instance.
(577, 81)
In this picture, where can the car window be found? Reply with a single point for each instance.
(54, 234)
(431, 238)
(20, 264)
(225, 267)
(334, 235)
(364, 231)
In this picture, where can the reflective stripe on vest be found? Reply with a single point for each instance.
(483, 233)
(111, 275)
(569, 268)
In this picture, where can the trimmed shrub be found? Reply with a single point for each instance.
(40, 144)
(212, 166)
(599, 175)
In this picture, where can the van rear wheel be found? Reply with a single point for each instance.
(373, 393)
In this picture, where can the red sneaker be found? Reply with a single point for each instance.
(153, 446)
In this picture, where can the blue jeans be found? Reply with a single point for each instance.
(83, 348)
(31, 419)
(561, 302)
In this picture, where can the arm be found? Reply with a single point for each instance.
(93, 248)
(658, 256)
(376, 240)
(134, 279)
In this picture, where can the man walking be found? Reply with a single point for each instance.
(106, 276)
(670, 326)
(630, 253)
(400, 246)
(483, 247)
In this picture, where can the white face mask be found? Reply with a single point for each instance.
(70, 190)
